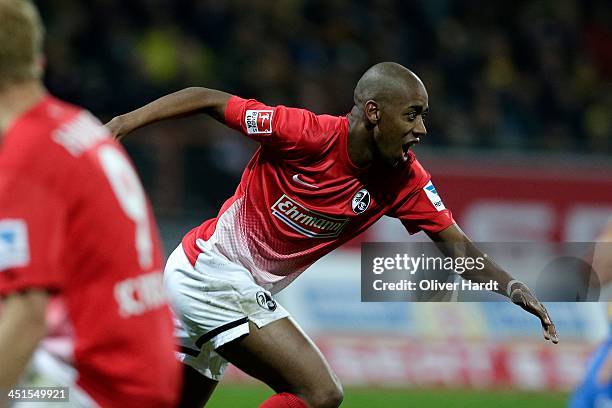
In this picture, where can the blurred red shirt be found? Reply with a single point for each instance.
(74, 219)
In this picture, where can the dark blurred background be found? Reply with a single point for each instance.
(519, 76)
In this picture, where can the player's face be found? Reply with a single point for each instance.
(401, 126)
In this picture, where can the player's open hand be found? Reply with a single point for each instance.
(117, 128)
(522, 296)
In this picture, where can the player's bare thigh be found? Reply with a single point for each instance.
(197, 389)
(281, 355)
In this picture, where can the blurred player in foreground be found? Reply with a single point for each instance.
(74, 222)
(316, 182)
(596, 389)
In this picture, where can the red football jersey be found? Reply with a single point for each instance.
(300, 196)
(74, 219)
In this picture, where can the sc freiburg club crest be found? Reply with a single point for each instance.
(361, 201)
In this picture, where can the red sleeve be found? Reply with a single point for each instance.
(421, 208)
(32, 230)
(418, 213)
(279, 126)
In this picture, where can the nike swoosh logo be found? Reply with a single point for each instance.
(296, 178)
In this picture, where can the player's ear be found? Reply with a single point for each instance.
(372, 112)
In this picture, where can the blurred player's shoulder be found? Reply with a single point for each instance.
(42, 119)
(51, 130)
(73, 128)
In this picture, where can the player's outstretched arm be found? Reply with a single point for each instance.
(453, 242)
(186, 102)
(22, 327)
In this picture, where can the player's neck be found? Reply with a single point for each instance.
(16, 99)
(360, 142)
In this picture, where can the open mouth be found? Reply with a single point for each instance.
(407, 145)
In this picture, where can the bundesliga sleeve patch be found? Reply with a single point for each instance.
(14, 246)
(258, 121)
(433, 196)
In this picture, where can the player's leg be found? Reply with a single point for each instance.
(221, 308)
(281, 355)
(197, 389)
(202, 367)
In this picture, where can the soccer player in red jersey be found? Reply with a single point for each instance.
(75, 227)
(316, 182)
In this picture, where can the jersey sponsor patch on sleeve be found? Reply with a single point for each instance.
(258, 121)
(433, 196)
(14, 245)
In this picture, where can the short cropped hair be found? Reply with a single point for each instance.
(21, 42)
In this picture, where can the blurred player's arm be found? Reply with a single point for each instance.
(455, 243)
(22, 327)
(30, 264)
(185, 102)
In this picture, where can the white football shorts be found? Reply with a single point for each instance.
(213, 303)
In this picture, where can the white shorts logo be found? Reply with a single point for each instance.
(433, 196)
(265, 300)
(14, 245)
(258, 121)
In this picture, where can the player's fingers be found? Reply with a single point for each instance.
(110, 129)
(114, 127)
(117, 136)
(532, 305)
(545, 333)
(550, 331)
(542, 314)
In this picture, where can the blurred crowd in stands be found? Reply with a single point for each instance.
(519, 75)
